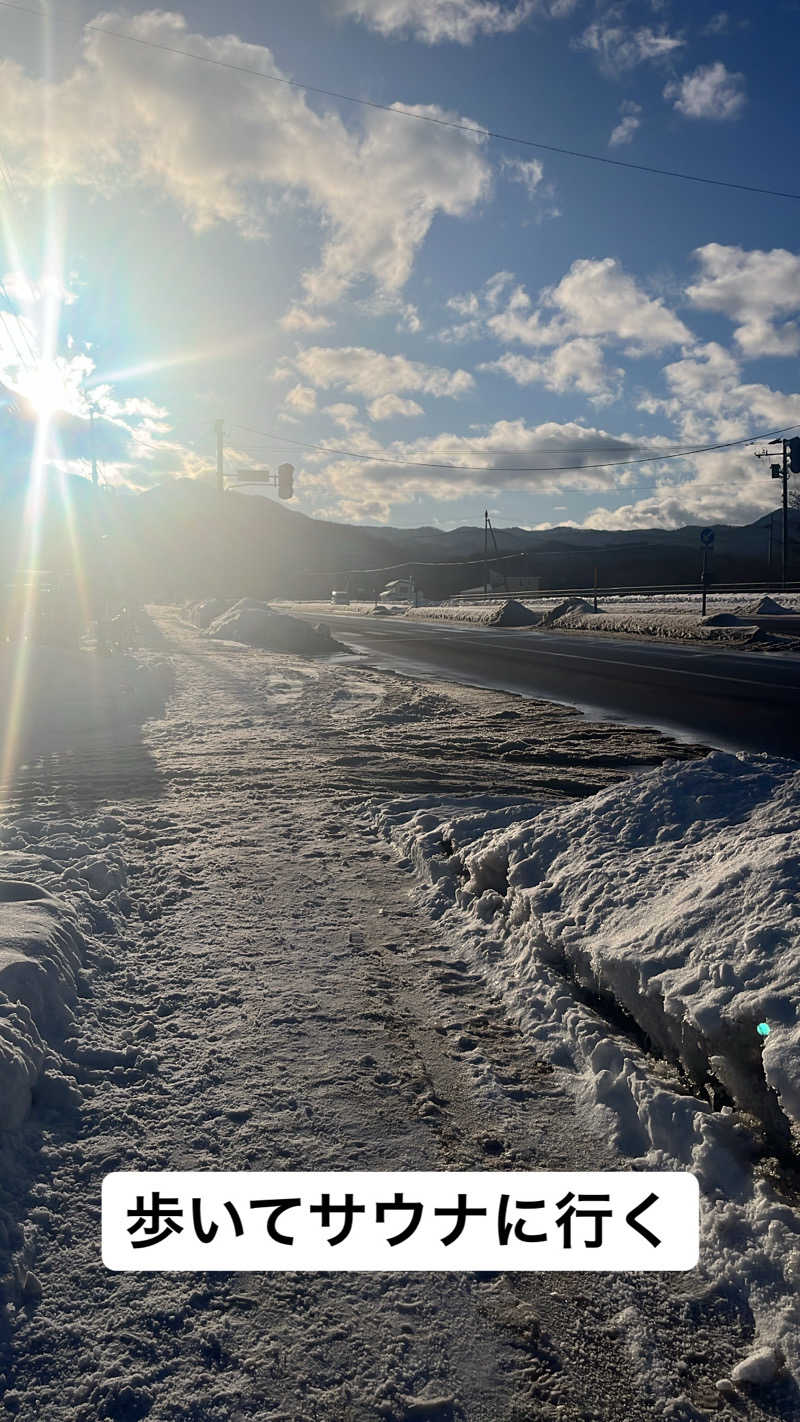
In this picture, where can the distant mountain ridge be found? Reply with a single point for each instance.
(183, 539)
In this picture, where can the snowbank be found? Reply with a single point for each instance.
(641, 937)
(570, 607)
(41, 951)
(261, 626)
(676, 626)
(623, 616)
(506, 613)
(674, 895)
(62, 882)
(768, 607)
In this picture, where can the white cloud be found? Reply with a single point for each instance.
(382, 303)
(388, 406)
(726, 487)
(596, 298)
(367, 489)
(222, 148)
(297, 318)
(574, 365)
(630, 121)
(473, 307)
(710, 92)
(344, 414)
(718, 24)
(620, 48)
(301, 398)
(370, 373)
(708, 383)
(459, 21)
(527, 172)
(496, 285)
(752, 288)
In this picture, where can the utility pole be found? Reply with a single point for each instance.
(496, 550)
(219, 425)
(785, 482)
(781, 471)
(485, 551)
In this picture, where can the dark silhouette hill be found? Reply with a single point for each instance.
(182, 539)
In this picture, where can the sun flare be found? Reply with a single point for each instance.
(47, 391)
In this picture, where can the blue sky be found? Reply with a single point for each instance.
(183, 241)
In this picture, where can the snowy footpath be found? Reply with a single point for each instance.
(316, 916)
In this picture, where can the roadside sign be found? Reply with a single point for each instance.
(707, 537)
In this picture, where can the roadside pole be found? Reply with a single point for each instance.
(785, 479)
(707, 541)
(790, 459)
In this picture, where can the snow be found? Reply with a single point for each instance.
(768, 607)
(676, 617)
(67, 693)
(260, 625)
(674, 625)
(640, 936)
(510, 613)
(763, 1366)
(230, 975)
(578, 615)
(41, 951)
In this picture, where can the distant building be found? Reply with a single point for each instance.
(400, 590)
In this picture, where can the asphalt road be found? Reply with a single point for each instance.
(736, 700)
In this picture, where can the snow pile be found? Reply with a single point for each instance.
(507, 612)
(572, 606)
(676, 626)
(61, 882)
(50, 695)
(41, 951)
(674, 896)
(480, 613)
(641, 937)
(261, 626)
(768, 607)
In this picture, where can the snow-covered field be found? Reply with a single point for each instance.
(641, 937)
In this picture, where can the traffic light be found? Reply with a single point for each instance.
(285, 481)
(794, 454)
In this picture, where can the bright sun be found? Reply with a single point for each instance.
(46, 390)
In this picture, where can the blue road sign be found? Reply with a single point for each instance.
(706, 537)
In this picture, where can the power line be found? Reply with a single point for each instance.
(472, 129)
(515, 469)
